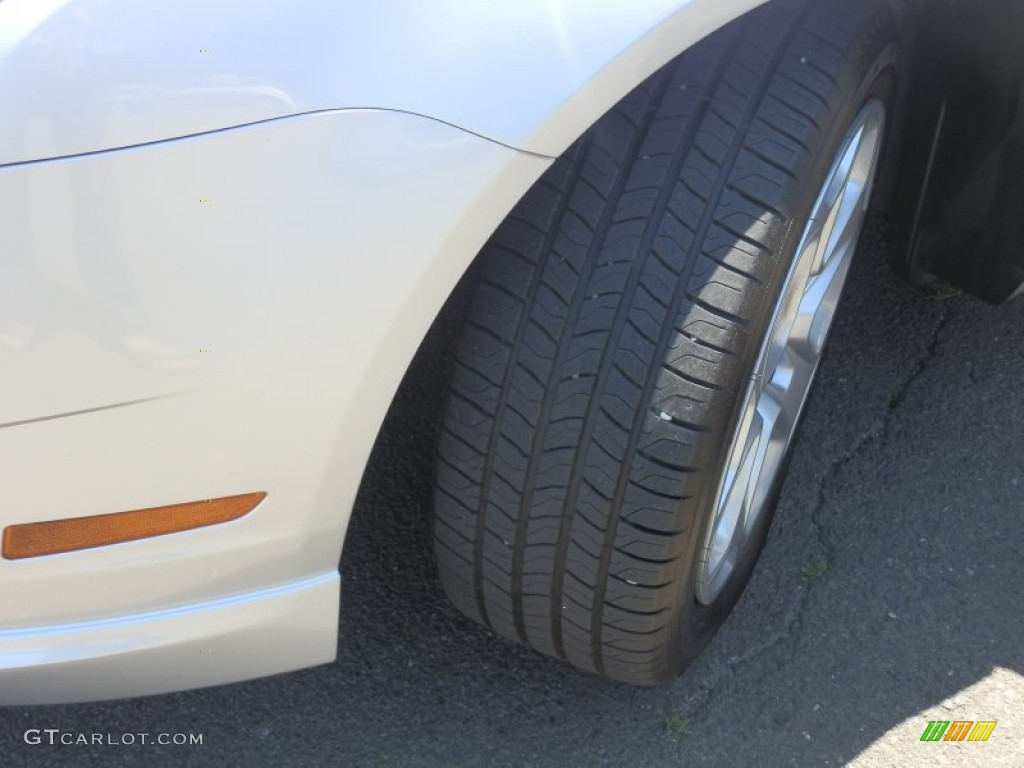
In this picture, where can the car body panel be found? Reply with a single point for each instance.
(222, 314)
(79, 76)
(273, 630)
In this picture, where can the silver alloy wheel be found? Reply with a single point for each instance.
(792, 350)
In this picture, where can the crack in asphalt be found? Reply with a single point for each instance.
(790, 627)
(876, 436)
(878, 433)
(919, 369)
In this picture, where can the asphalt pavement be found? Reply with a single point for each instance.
(889, 594)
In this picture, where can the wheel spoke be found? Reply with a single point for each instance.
(847, 219)
(772, 415)
(816, 310)
(734, 495)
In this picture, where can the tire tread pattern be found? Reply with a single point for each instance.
(612, 314)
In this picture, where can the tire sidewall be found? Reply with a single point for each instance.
(875, 79)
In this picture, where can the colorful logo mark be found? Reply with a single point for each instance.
(958, 730)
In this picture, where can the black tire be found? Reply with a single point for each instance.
(635, 280)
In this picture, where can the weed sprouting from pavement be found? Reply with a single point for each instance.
(814, 569)
(676, 724)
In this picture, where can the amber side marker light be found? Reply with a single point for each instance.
(55, 536)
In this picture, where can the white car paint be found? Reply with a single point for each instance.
(331, 237)
(311, 277)
(82, 75)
